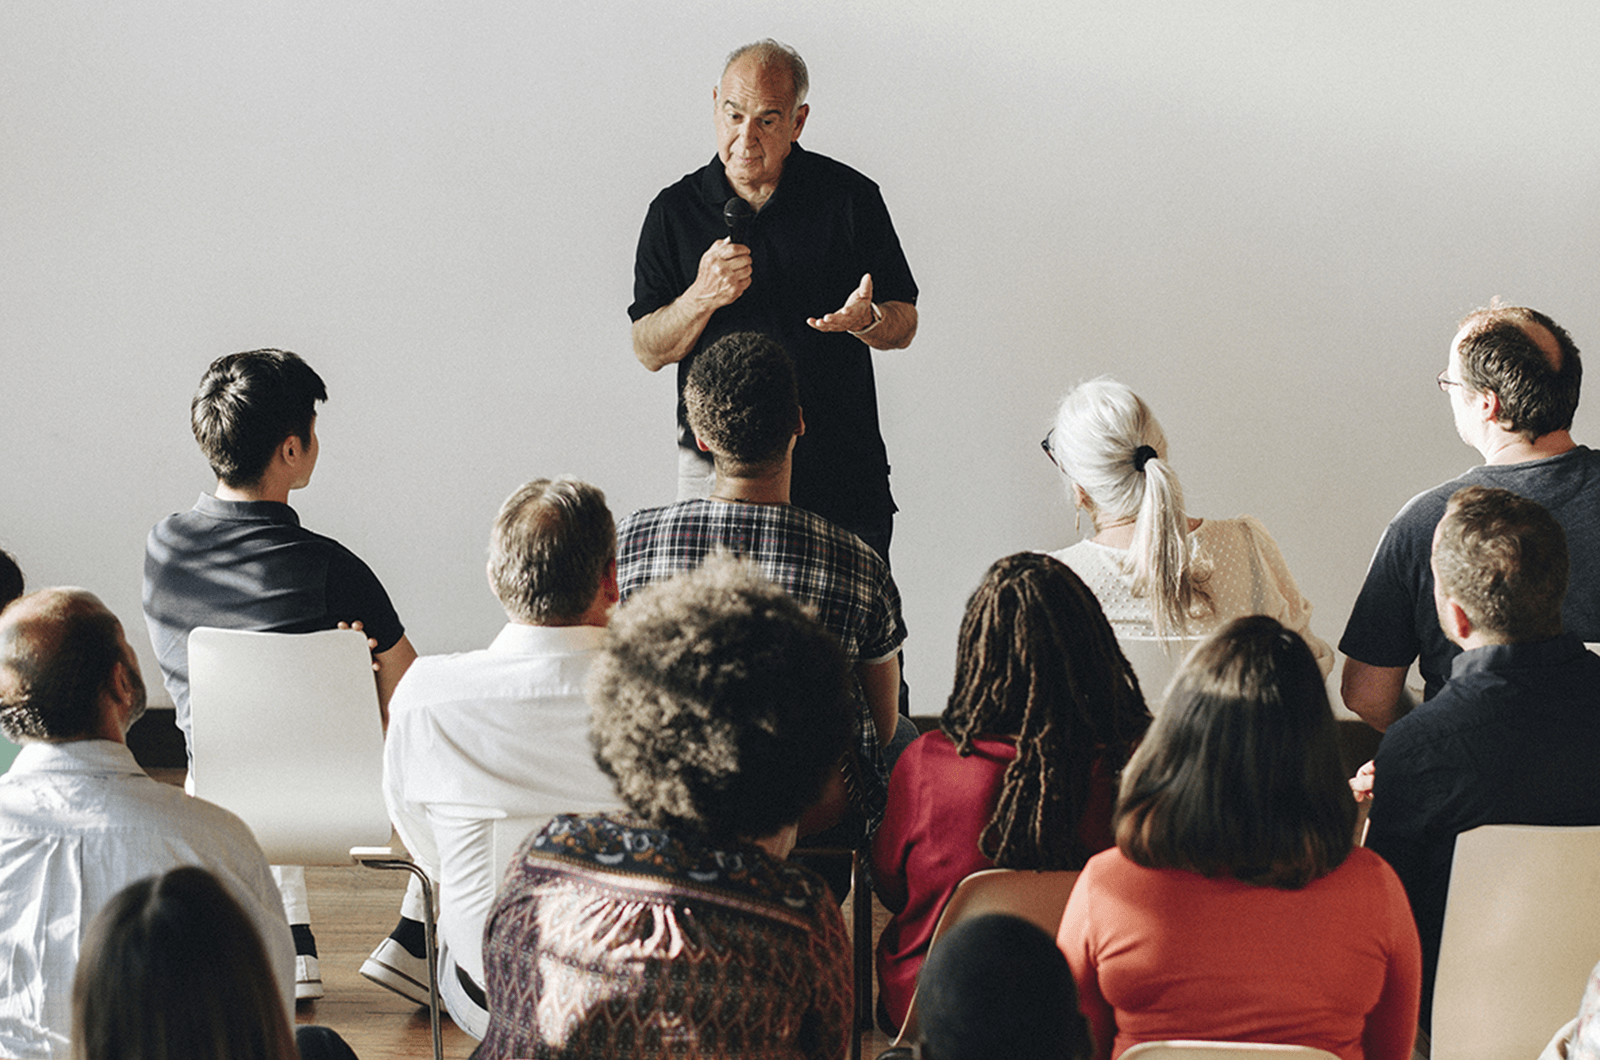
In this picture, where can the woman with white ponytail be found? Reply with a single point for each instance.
(1157, 572)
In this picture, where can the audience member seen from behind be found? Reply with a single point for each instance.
(1158, 572)
(997, 987)
(172, 969)
(1234, 907)
(720, 708)
(1023, 771)
(11, 580)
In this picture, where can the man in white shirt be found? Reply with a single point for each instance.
(79, 820)
(485, 739)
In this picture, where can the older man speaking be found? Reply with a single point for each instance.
(772, 238)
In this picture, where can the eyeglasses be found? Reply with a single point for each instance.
(1445, 382)
(1044, 443)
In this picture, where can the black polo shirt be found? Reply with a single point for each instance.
(251, 565)
(1512, 738)
(823, 227)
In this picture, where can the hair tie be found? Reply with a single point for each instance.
(1142, 456)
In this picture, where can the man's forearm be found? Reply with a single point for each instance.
(667, 335)
(1376, 694)
(896, 330)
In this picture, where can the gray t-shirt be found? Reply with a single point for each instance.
(1394, 621)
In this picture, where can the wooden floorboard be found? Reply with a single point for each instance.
(351, 910)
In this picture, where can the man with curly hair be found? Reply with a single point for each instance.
(679, 928)
(744, 407)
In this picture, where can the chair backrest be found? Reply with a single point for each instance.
(1155, 660)
(1037, 897)
(1196, 1050)
(287, 734)
(1521, 932)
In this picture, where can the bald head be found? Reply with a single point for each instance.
(66, 671)
(1528, 361)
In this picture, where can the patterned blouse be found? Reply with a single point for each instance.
(613, 939)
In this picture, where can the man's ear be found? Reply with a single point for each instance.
(608, 583)
(799, 421)
(702, 446)
(1456, 621)
(800, 117)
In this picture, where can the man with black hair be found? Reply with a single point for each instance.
(80, 820)
(1510, 738)
(239, 559)
(744, 407)
(1513, 378)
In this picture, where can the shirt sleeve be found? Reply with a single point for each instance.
(657, 278)
(891, 844)
(1391, 1028)
(887, 629)
(356, 595)
(879, 246)
(1289, 606)
(1382, 629)
(1078, 946)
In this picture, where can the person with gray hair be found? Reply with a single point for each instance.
(1157, 571)
(80, 820)
(678, 928)
(497, 733)
(771, 238)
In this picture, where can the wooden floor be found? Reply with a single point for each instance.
(351, 910)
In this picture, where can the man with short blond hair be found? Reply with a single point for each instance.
(1511, 737)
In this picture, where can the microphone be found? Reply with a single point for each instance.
(737, 214)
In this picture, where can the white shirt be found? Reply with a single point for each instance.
(79, 821)
(483, 735)
(1248, 577)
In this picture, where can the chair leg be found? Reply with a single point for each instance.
(432, 944)
(861, 917)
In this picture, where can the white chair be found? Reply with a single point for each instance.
(1037, 897)
(1196, 1050)
(1155, 660)
(1521, 932)
(286, 733)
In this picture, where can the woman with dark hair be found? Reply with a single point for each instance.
(1236, 906)
(1022, 773)
(172, 969)
(677, 929)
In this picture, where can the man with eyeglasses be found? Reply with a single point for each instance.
(1512, 381)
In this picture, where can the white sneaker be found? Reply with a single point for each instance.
(307, 978)
(392, 965)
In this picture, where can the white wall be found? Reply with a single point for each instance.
(1265, 216)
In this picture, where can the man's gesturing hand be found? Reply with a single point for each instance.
(856, 313)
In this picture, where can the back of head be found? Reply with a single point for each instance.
(1528, 360)
(1503, 558)
(743, 401)
(996, 987)
(720, 704)
(58, 648)
(12, 584)
(172, 969)
(247, 404)
(1037, 660)
(552, 544)
(770, 53)
(1107, 441)
(1240, 774)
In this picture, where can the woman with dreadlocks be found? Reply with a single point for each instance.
(1022, 773)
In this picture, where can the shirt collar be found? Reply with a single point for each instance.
(260, 511)
(518, 639)
(76, 756)
(1527, 656)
